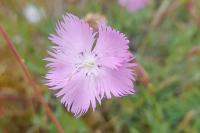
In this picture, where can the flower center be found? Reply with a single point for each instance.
(87, 64)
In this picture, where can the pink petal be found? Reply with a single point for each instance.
(115, 82)
(78, 94)
(73, 35)
(112, 47)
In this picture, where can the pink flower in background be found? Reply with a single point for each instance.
(84, 68)
(133, 5)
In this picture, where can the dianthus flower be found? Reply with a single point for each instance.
(133, 5)
(85, 67)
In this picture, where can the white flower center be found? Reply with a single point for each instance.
(87, 64)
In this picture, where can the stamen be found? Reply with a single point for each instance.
(88, 63)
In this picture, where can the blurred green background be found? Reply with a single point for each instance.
(165, 38)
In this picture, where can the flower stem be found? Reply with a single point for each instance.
(31, 81)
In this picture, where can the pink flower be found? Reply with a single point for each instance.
(133, 5)
(85, 68)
